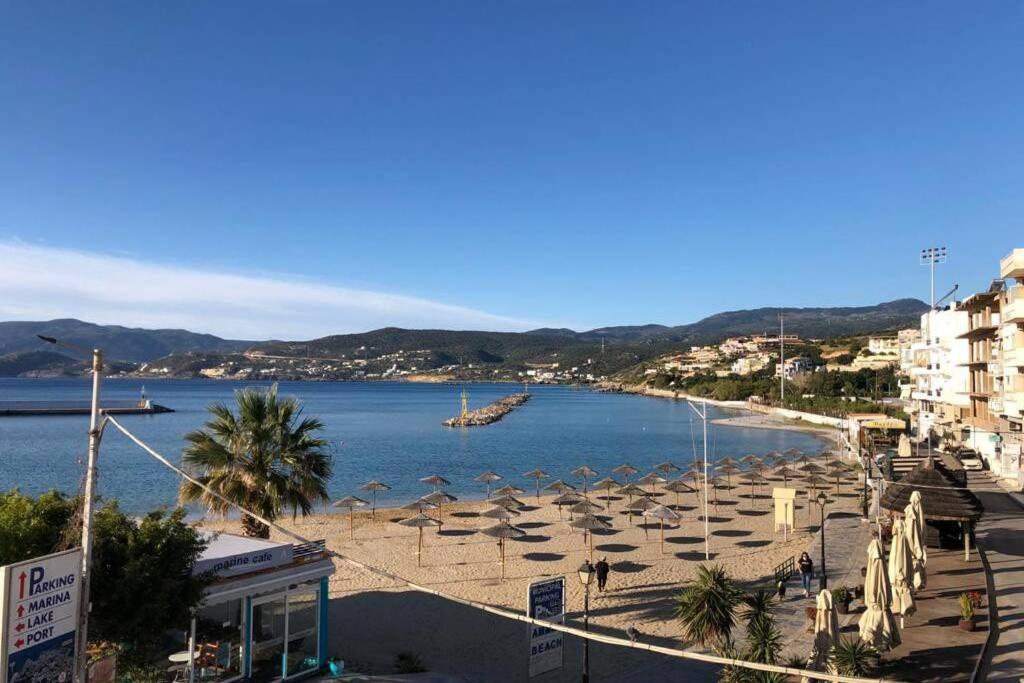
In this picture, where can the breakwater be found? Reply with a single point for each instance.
(489, 413)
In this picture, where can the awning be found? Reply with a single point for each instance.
(269, 581)
(887, 423)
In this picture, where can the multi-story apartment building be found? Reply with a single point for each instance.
(939, 376)
(981, 423)
(1008, 399)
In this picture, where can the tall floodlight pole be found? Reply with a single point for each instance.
(782, 361)
(930, 257)
(704, 418)
(95, 433)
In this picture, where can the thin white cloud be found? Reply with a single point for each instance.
(40, 283)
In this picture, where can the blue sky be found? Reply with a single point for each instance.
(500, 165)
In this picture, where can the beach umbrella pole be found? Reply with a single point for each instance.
(662, 536)
(419, 549)
(351, 523)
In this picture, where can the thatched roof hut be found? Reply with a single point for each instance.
(943, 498)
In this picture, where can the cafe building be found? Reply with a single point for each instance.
(263, 619)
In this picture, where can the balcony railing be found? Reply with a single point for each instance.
(1013, 307)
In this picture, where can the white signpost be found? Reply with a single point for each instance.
(39, 599)
(546, 600)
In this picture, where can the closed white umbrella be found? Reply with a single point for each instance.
(903, 450)
(826, 629)
(877, 626)
(913, 521)
(900, 571)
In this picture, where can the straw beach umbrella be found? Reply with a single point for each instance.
(755, 479)
(631, 490)
(589, 523)
(559, 486)
(508, 490)
(812, 468)
(727, 462)
(503, 531)
(786, 473)
(651, 480)
(877, 626)
(435, 480)
(662, 514)
(749, 459)
(667, 467)
(793, 452)
(500, 513)
(488, 478)
(728, 471)
(373, 486)
(826, 630)
(638, 507)
(607, 483)
(420, 522)
(507, 501)
(350, 503)
(901, 572)
(440, 499)
(585, 472)
(566, 499)
(585, 507)
(626, 470)
(419, 505)
(536, 475)
(679, 486)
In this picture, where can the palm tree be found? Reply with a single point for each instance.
(854, 657)
(706, 606)
(266, 459)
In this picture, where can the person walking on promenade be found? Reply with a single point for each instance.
(806, 572)
(602, 573)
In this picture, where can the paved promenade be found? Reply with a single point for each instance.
(1001, 535)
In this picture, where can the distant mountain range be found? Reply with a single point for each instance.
(21, 352)
(810, 323)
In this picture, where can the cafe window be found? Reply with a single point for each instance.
(219, 650)
(285, 634)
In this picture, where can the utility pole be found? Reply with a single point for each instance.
(929, 257)
(704, 418)
(88, 506)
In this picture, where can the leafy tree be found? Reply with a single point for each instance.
(30, 527)
(267, 458)
(142, 580)
(706, 607)
(141, 571)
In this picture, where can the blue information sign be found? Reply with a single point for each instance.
(546, 600)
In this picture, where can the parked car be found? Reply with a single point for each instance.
(970, 460)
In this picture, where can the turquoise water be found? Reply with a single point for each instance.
(377, 430)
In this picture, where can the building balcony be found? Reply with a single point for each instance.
(1012, 265)
(1013, 306)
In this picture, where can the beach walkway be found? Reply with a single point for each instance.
(1001, 535)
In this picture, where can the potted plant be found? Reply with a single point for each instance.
(841, 598)
(969, 602)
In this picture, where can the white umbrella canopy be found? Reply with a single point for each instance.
(901, 572)
(877, 625)
(826, 630)
(903, 450)
(913, 526)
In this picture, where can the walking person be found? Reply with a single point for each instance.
(602, 573)
(806, 572)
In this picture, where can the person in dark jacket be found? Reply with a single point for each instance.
(602, 569)
(806, 565)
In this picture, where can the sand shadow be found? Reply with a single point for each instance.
(615, 547)
(466, 514)
(456, 532)
(753, 513)
(531, 538)
(732, 533)
(684, 540)
(606, 532)
(543, 557)
(628, 567)
(533, 525)
(714, 520)
(529, 508)
(753, 544)
(844, 515)
(693, 555)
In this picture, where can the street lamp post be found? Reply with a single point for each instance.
(822, 501)
(95, 433)
(586, 572)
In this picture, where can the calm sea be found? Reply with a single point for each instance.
(378, 430)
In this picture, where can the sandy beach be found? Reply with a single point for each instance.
(462, 562)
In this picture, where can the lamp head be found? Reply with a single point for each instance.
(586, 572)
(822, 498)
